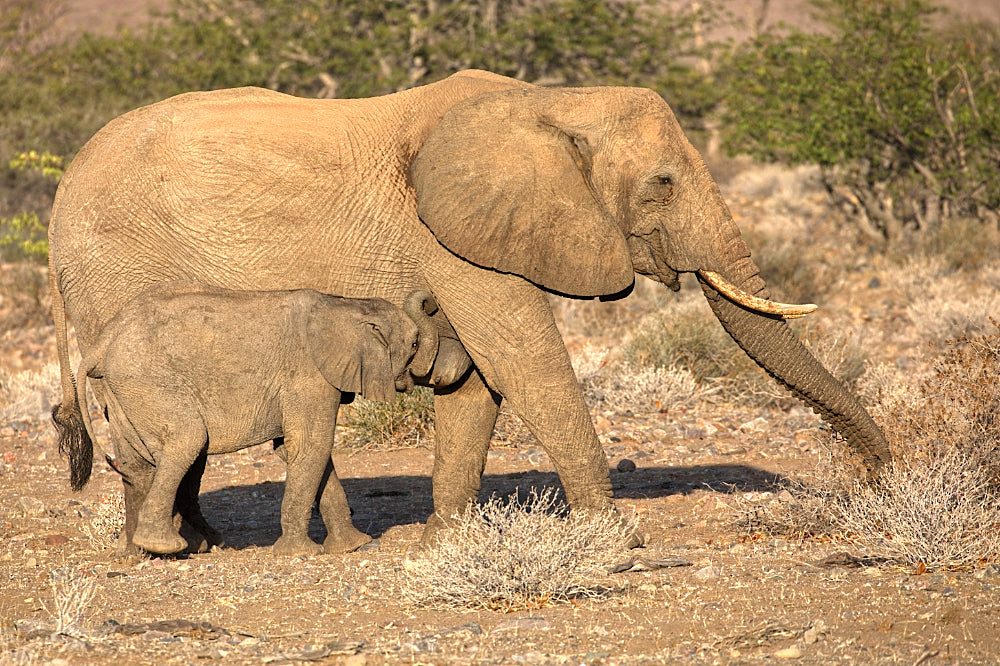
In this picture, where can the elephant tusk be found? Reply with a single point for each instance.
(737, 295)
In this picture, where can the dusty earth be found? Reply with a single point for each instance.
(744, 598)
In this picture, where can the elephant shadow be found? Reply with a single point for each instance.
(381, 503)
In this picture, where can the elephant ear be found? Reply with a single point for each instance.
(504, 182)
(350, 349)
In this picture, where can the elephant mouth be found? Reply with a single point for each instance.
(762, 305)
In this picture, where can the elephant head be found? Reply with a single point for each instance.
(364, 346)
(577, 190)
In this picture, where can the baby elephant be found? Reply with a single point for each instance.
(188, 369)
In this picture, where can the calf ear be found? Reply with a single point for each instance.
(350, 350)
(377, 380)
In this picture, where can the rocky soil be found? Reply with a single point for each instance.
(743, 598)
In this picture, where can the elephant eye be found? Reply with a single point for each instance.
(665, 180)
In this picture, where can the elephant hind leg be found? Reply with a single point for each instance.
(341, 535)
(155, 531)
(200, 536)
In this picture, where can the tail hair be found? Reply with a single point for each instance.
(74, 443)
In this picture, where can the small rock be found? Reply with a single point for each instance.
(792, 652)
(471, 629)
(991, 571)
(55, 540)
(759, 424)
(626, 465)
(425, 645)
(31, 506)
(706, 573)
(522, 624)
(374, 544)
(9, 457)
(814, 633)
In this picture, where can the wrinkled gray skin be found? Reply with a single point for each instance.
(483, 190)
(184, 373)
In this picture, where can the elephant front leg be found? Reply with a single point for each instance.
(465, 416)
(506, 325)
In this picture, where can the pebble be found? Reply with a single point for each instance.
(758, 424)
(792, 652)
(706, 573)
(31, 506)
(814, 633)
(626, 465)
(522, 624)
(55, 540)
(991, 571)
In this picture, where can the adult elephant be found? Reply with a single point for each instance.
(481, 189)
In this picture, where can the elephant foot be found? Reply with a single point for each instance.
(162, 541)
(345, 540)
(200, 539)
(286, 545)
(436, 525)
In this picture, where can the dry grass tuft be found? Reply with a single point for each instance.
(941, 512)
(381, 426)
(514, 554)
(106, 526)
(28, 395)
(686, 334)
(71, 597)
(621, 387)
(938, 503)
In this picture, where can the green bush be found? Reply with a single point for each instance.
(58, 95)
(903, 120)
(23, 236)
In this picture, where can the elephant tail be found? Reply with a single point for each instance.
(73, 427)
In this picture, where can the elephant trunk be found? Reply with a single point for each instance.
(768, 340)
(419, 306)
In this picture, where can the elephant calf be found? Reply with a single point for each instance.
(187, 369)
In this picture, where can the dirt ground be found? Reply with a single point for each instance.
(744, 598)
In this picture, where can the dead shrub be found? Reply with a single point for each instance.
(938, 502)
(28, 395)
(382, 426)
(105, 527)
(511, 554)
(24, 295)
(940, 512)
(686, 334)
(72, 594)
